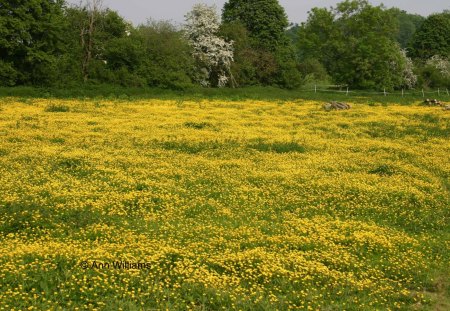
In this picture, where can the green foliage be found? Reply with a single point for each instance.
(432, 78)
(47, 43)
(198, 94)
(407, 26)
(30, 41)
(313, 70)
(263, 51)
(433, 37)
(123, 58)
(265, 21)
(8, 75)
(287, 75)
(167, 62)
(99, 52)
(383, 170)
(198, 125)
(435, 72)
(251, 65)
(356, 44)
(277, 147)
(57, 108)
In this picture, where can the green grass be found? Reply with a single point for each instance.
(57, 108)
(278, 147)
(99, 92)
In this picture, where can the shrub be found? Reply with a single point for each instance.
(57, 108)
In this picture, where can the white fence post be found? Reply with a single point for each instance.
(423, 93)
(447, 91)
(439, 92)
(403, 92)
(384, 91)
(347, 90)
(315, 88)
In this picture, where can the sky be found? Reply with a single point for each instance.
(138, 11)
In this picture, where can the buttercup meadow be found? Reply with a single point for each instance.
(222, 205)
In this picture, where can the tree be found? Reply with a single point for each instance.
(251, 65)
(356, 43)
(94, 34)
(433, 37)
(265, 20)
(87, 32)
(167, 59)
(408, 24)
(409, 77)
(31, 35)
(123, 59)
(213, 54)
(435, 72)
(314, 38)
(269, 47)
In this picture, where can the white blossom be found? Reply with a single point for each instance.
(441, 64)
(409, 77)
(213, 54)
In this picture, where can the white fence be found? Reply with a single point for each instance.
(346, 90)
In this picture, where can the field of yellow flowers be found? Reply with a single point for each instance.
(222, 205)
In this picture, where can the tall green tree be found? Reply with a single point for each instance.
(94, 35)
(433, 37)
(408, 24)
(112, 51)
(251, 66)
(31, 33)
(265, 20)
(271, 49)
(167, 60)
(356, 42)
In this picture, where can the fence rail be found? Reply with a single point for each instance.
(347, 91)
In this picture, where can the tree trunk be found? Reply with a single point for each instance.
(92, 7)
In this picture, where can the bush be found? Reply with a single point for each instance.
(313, 71)
(8, 75)
(168, 62)
(435, 73)
(57, 108)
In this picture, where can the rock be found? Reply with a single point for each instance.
(432, 102)
(336, 106)
(327, 107)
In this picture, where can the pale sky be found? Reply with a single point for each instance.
(138, 11)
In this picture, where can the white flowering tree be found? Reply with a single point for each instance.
(441, 64)
(409, 77)
(213, 54)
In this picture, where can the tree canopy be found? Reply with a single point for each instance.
(408, 24)
(433, 37)
(31, 39)
(269, 57)
(356, 42)
(213, 54)
(54, 43)
(265, 20)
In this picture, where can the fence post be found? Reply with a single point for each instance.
(384, 91)
(347, 90)
(447, 92)
(439, 92)
(423, 93)
(315, 88)
(403, 92)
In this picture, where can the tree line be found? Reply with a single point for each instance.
(52, 43)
